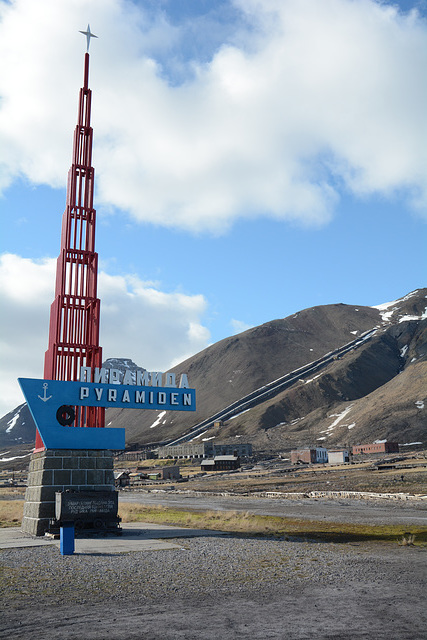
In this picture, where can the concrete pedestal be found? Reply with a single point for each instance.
(61, 470)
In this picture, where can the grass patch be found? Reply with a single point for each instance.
(244, 523)
(255, 525)
(11, 512)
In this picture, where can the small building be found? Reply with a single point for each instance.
(338, 456)
(316, 455)
(220, 463)
(171, 473)
(208, 464)
(135, 478)
(121, 479)
(375, 447)
(162, 473)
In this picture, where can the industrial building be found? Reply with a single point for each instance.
(205, 450)
(220, 463)
(338, 456)
(316, 455)
(376, 447)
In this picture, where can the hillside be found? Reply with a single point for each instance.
(376, 390)
(233, 367)
(372, 393)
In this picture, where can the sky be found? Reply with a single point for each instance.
(252, 158)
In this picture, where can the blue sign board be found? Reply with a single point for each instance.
(51, 404)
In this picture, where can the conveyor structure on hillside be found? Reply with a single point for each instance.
(272, 388)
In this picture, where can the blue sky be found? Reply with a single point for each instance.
(252, 159)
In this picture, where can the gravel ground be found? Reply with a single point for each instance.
(245, 587)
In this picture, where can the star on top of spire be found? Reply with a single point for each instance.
(88, 35)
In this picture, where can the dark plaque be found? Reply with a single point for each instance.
(87, 509)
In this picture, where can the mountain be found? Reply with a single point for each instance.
(378, 384)
(374, 389)
(17, 427)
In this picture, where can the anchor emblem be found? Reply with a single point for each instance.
(45, 398)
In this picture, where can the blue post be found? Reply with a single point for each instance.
(66, 545)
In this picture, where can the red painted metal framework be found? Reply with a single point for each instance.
(75, 311)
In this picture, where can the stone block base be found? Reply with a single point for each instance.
(61, 470)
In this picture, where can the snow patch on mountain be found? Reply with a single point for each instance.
(158, 419)
(408, 318)
(386, 305)
(199, 435)
(238, 414)
(311, 379)
(388, 309)
(12, 422)
(15, 458)
(339, 416)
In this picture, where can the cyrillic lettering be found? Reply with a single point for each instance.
(114, 376)
(128, 379)
(156, 379)
(100, 375)
(170, 380)
(142, 378)
(85, 374)
(183, 383)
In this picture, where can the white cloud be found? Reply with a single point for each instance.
(302, 99)
(26, 291)
(138, 321)
(239, 326)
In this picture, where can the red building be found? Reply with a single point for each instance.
(376, 447)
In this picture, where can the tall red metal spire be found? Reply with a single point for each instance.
(75, 312)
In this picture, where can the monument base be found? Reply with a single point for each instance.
(54, 470)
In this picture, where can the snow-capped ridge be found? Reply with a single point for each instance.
(389, 310)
